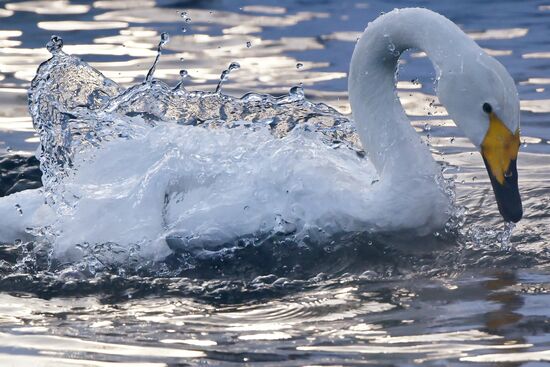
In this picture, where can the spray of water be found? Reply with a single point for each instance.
(78, 113)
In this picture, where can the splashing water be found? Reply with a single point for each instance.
(183, 74)
(225, 75)
(164, 39)
(54, 45)
(456, 297)
(194, 190)
(86, 120)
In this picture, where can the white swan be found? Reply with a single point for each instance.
(236, 185)
(476, 90)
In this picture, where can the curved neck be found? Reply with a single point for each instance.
(391, 142)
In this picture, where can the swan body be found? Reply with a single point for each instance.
(189, 187)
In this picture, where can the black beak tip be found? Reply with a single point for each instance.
(512, 214)
(507, 194)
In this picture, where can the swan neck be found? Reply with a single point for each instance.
(389, 139)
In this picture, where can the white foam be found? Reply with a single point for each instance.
(208, 187)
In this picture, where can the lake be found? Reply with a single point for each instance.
(471, 296)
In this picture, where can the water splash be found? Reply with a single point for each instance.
(85, 119)
(64, 88)
(55, 44)
(183, 74)
(164, 39)
(225, 75)
(506, 235)
(77, 110)
(88, 123)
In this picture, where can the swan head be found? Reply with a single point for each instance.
(481, 98)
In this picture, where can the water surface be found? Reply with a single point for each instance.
(461, 299)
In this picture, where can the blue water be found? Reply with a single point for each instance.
(461, 300)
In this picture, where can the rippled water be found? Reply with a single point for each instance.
(452, 298)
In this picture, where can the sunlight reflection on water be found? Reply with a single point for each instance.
(500, 317)
(119, 39)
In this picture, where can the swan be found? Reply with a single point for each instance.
(335, 191)
(477, 91)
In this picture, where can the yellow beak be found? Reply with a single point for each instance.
(500, 151)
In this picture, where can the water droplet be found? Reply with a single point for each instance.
(474, 178)
(427, 127)
(8, 149)
(225, 75)
(452, 139)
(234, 66)
(297, 91)
(248, 44)
(18, 208)
(183, 74)
(508, 173)
(183, 14)
(187, 20)
(183, 29)
(164, 38)
(55, 44)
(299, 65)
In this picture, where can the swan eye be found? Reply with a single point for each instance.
(487, 108)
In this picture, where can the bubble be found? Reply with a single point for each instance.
(299, 65)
